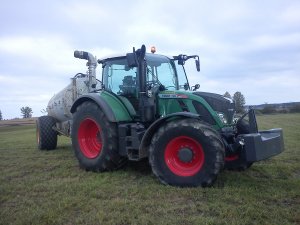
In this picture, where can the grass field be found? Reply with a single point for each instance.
(39, 187)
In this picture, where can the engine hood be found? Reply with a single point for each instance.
(219, 103)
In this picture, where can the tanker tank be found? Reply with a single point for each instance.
(60, 104)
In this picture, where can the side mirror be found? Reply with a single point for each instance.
(197, 65)
(131, 60)
(134, 58)
(196, 87)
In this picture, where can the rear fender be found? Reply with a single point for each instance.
(99, 101)
(113, 108)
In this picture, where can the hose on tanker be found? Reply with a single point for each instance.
(79, 75)
(84, 75)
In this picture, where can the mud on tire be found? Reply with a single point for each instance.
(46, 136)
(186, 152)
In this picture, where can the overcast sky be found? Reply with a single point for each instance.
(248, 46)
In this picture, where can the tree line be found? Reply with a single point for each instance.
(273, 108)
(26, 112)
(239, 100)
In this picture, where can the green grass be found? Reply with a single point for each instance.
(40, 187)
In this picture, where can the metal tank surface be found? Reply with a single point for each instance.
(60, 104)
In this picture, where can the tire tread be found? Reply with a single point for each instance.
(47, 135)
(202, 127)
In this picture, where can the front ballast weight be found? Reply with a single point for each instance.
(252, 145)
(261, 145)
(136, 113)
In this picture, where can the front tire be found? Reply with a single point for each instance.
(186, 152)
(94, 139)
(46, 136)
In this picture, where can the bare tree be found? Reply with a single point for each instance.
(239, 99)
(26, 112)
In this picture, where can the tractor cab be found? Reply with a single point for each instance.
(120, 77)
(137, 78)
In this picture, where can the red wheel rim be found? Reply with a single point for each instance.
(231, 158)
(176, 165)
(89, 138)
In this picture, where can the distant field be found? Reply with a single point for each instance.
(40, 187)
(17, 122)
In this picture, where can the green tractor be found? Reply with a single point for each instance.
(144, 107)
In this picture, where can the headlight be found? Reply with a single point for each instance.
(222, 117)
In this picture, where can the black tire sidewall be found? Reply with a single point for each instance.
(205, 172)
(100, 161)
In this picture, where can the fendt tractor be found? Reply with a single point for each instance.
(144, 107)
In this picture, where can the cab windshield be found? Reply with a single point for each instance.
(121, 79)
(164, 71)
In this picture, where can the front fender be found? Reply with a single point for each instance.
(146, 140)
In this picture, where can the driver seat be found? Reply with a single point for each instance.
(128, 88)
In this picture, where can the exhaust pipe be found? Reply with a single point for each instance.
(92, 65)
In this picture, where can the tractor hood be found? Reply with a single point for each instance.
(219, 103)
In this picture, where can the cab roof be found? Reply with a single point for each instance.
(148, 55)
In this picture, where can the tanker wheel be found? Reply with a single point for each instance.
(46, 136)
(94, 139)
(186, 152)
(235, 161)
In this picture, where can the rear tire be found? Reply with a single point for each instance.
(94, 139)
(46, 136)
(236, 162)
(186, 152)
